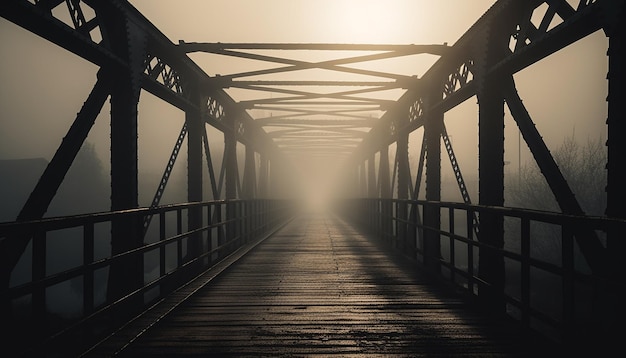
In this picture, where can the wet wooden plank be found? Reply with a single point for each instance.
(319, 287)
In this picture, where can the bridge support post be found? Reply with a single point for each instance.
(362, 180)
(491, 96)
(372, 193)
(371, 177)
(195, 132)
(249, 189)
(126, 233)
(432, 221)
(263, 176)
(384, 181)
(491, 192)
(616, 176)
(404, 179)
(232, 177)
(249, 174)
(128, 41)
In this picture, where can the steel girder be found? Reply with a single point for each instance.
(469, 69)
(464, 70)
(332, 103)
(459, 73)
(165, 71)
(616, 190)
(132, 55)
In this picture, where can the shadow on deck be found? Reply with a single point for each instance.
(319, 287)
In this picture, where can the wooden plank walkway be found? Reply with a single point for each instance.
(319, 287)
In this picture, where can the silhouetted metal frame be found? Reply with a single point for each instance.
(465, 68)
(97, 322)
(134, 55)
(575, 334)
(458, 75)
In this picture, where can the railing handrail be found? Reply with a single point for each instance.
(226, 225)
(65, 221)
(402, 223)
(545, 216)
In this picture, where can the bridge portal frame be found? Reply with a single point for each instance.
(139, 57)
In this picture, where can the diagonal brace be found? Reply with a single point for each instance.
(40, 198)
(590, 245)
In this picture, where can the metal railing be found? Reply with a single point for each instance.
(548, 286)
(59, 288)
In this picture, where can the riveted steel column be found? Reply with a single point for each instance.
(404, 179)
(231, 173)
(362, 180)
(491, 190)
(372, 191)
(275, 178)
(195, 130)
(383, 173)
(230, 160)
(385, 194)
(491, 169)
(615, 313)
(249, 174)
(249, 192)
(263, 176)
(125, 275)
(432, 136)
(616, 145)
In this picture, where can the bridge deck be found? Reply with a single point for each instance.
(320, 287)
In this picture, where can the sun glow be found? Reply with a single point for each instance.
(366, 21)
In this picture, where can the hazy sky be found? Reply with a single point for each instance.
(43, 87)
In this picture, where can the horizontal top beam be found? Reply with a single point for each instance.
(218, 46)
(386, 84)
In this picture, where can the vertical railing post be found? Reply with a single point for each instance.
(221, 239)
(241, 222)
(256, 218)
(88, 275)
(413, 229)
(452, 241)
(162, 253)
(210, 212)
(179, 242)
(568, 289)
(39, 291)
(469, 218)
(525, 271)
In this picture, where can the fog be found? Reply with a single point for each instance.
(44, 86)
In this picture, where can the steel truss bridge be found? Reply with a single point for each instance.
(346, 122)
